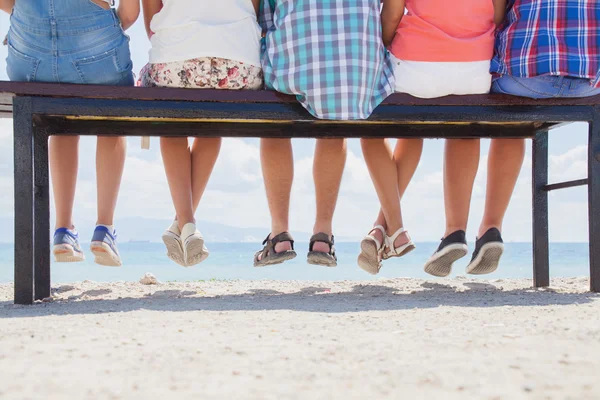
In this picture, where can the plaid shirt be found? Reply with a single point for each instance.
(329, 53)
(550, 37)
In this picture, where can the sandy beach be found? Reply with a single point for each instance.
(390, 339)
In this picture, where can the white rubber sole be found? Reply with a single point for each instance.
(195, 252)
(487, 260)
(174, 247)
(440, 264)
(104, 255)
(368, 259)
(64, 253)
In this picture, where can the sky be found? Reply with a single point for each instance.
(235, 195)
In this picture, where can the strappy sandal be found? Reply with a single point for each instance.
(268, 255)
(391, 251)
(320, 257)
(371, 252)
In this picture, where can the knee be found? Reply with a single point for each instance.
(462, 144)
(64, 140)
(369, 142)
(332, 145)
(208, 142)
(275, 142)
(516, 144)
(113, 142)
(166, 142)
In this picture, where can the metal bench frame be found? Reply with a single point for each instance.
(40, 110)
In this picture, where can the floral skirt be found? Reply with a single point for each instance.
(202, 73)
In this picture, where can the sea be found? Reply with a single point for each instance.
(231, 261)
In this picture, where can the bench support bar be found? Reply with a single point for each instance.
(594, 200)
(566, 185)
(24, 213)
(541, 255)
(41, 205)
(32, 206)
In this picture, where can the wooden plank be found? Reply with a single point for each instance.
(286, 112)
(261, 96)
(306, 129)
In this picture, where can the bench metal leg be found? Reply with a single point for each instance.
(42, 215)
(594, 200)
(541, 257)
(24, 199)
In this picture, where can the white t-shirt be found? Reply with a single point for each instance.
(188, 29)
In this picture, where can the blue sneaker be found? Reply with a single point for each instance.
(104, 247)
(66, 246)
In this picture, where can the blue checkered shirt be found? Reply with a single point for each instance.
(329, 53)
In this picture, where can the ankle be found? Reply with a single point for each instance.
(451, 229)
(183, 222)
(277, 229)
(283, 246)
(323, 228)
(390, 229)
(486, 227)
(110, 228)
(70, 227)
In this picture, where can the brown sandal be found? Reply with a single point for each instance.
(268, 253)
(320, 257)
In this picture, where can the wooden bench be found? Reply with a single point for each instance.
(40, 110)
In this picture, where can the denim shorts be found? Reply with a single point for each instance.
(544, 87)
(67, 41)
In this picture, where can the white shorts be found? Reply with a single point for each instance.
(437, 79)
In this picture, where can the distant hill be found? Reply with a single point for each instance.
(147, 229)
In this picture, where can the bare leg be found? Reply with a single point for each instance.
(328, 168)
(504, 165)
(407, 155)
(384, 174)
(391, 175)
(277, 162)
(64, 158)
(110, 161)
(205, 152)
(178, 167)
(376, 233)
(461, 161)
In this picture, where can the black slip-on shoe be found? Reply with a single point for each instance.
(452, 248)
(488, 250)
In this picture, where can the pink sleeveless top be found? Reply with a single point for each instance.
(446, 31)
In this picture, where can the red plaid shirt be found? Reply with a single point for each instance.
(550, 37)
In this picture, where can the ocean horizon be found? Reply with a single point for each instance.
(231, 261)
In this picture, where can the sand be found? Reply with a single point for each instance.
(390, 339)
